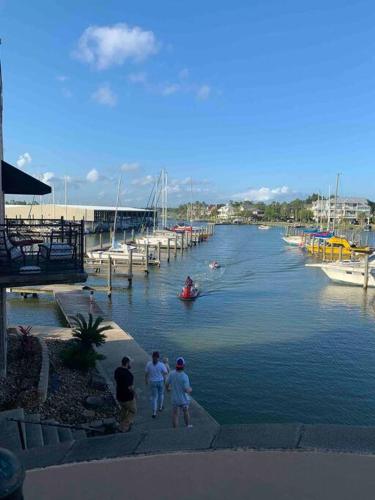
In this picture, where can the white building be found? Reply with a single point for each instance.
(350, 209)
(226, 212)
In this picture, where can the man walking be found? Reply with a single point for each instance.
(155, 374)
(179, 382)
(125, 394)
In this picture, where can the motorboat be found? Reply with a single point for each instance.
(349, 272)
(295, 241)
(336, 246)
(120, 253)
(214, 265)
(182, 228)
(263, 227)
(188, 293)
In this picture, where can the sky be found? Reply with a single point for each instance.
(251, 99)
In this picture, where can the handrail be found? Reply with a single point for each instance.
(51, 424)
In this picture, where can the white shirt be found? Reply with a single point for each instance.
(156, 372)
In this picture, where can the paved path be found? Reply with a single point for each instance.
(119, 344)
(235, 475)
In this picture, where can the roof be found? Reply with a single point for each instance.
(14, 181)
(108, 209)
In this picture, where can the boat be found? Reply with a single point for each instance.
(336, 247)
(188, 293)
(182, 228)
(349, 272)
(120, 254)
(295, 241)
(263, 227)
(214, 265)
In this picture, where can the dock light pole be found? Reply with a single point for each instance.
(3, 315)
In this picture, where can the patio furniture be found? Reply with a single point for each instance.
(10, 253)
(56, 251)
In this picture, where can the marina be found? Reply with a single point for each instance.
(285, 343)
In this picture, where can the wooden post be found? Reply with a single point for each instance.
(109, 293)
(312, 242)
(124, 236)
(101, 240)
(168, 249)
(133, 234)
(175, 244)
(159, 252)
(130, 268)
(340, 254)
(324, 249)
(319, 247)
(332, 249)
(365, 277)
(182, 242)
(146, 257)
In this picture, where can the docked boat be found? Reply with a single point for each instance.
(295, 241)
(336, 247)
(263, 227)
(120, 253)
(349, 272)
(182, 228)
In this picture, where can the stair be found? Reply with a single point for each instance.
(65, 434)
(12, 435)
(34, 434)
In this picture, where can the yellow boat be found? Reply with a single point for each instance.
(336, 247)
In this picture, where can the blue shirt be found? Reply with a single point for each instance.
(179, 382)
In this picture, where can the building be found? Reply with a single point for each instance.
(226, 212)
(96, 218)
(348, 209)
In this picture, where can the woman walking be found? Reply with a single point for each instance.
(155, 374)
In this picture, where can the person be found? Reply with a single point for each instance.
(155, 374)
(189, 282)
(179, 383)
(166, 363)
(125, 394)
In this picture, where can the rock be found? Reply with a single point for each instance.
(98, 382)
(93, 402)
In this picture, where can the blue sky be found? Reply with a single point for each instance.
(252, 99)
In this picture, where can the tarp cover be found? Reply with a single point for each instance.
(17, 182)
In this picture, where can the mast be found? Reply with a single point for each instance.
(115, 219)
(166, 199)
(329, 209)
(319, 211)
(336, 193)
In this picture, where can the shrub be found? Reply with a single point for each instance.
(77, 358)
(26, 339)
(89, 333)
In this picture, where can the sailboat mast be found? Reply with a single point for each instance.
(336, 193)
(115, 219)
(329, 209)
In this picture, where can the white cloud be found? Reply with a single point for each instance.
(144, 181)
(62, 78)
(203, 92)
(106, 46)
(47, 177)
(24, 160)
(170, 89)
(264, 194)
(93, 175)
(130, 167)
(105, 95)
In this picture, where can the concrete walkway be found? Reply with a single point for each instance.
(235, 475)
(119, 344)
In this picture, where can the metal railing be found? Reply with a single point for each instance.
(41, 246)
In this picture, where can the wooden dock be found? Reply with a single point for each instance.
(74, 302)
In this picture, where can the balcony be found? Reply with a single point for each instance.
(41, 252)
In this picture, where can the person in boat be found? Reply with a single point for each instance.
(189, 282)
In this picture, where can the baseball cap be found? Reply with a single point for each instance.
(180, 362)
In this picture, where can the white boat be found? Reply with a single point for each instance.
(348, 272)
(263, 227)
(295, 241)
(155, 239)
(120, 254)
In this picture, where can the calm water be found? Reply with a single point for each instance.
(269, 340)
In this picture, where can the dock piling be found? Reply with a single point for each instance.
(130, 268)
(365, 277)
(109, 293)
(159, 253)
(168, 249)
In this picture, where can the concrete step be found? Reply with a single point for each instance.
(50, 434)
(12, 436)
(79, 434)
(65, 434)
(34, 434)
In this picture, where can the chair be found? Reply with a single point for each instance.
(10, 253)
(55, 251)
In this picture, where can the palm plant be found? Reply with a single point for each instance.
(89, 332)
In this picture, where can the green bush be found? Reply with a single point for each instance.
(77, 358)
(89, 333)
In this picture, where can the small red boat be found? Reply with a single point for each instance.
(181, 228)
(188, 293)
